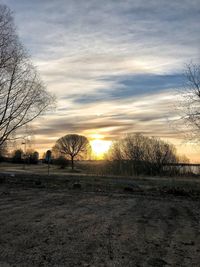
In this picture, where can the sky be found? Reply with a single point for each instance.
(116, 67)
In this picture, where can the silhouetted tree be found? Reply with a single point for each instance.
(23, 96)
(34, 157)
(31, 156)
(190, 104)
(136, 154)
(73, 146)
(17, 156)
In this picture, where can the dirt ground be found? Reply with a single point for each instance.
(46, 227)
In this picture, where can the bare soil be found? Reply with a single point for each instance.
(63, 227)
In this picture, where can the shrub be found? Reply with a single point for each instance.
(61, 162)
(17, 156)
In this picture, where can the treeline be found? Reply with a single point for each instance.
(19, 156)
(135, 154)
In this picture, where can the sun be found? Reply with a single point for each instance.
(100, 147)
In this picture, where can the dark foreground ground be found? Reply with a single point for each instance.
(61, 227)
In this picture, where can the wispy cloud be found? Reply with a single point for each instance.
(126, 86)
(113, 65)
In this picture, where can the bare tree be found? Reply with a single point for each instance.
(73, 146)
(190, 103)
(23, 96)
(136, 153)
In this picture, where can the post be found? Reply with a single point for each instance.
(48, 167)
(24, 143)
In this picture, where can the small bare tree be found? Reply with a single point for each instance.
(73, 146)
(23, 96)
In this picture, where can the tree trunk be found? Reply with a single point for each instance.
(72, 162)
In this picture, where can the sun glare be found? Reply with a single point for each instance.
(99, 147)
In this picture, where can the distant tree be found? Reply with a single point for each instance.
(190, 104)
(31, 156)
(73, 146)
(137, 153)
(17, 156)
(34, 158)
(23, 96)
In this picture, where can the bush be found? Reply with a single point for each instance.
(17, 156)
(61, 162)
(34, 157)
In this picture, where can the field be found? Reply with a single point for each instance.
(74, 220)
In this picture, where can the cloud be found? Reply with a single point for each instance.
(112, 64)
(54, 29)
(128, 86)
(114, 118)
